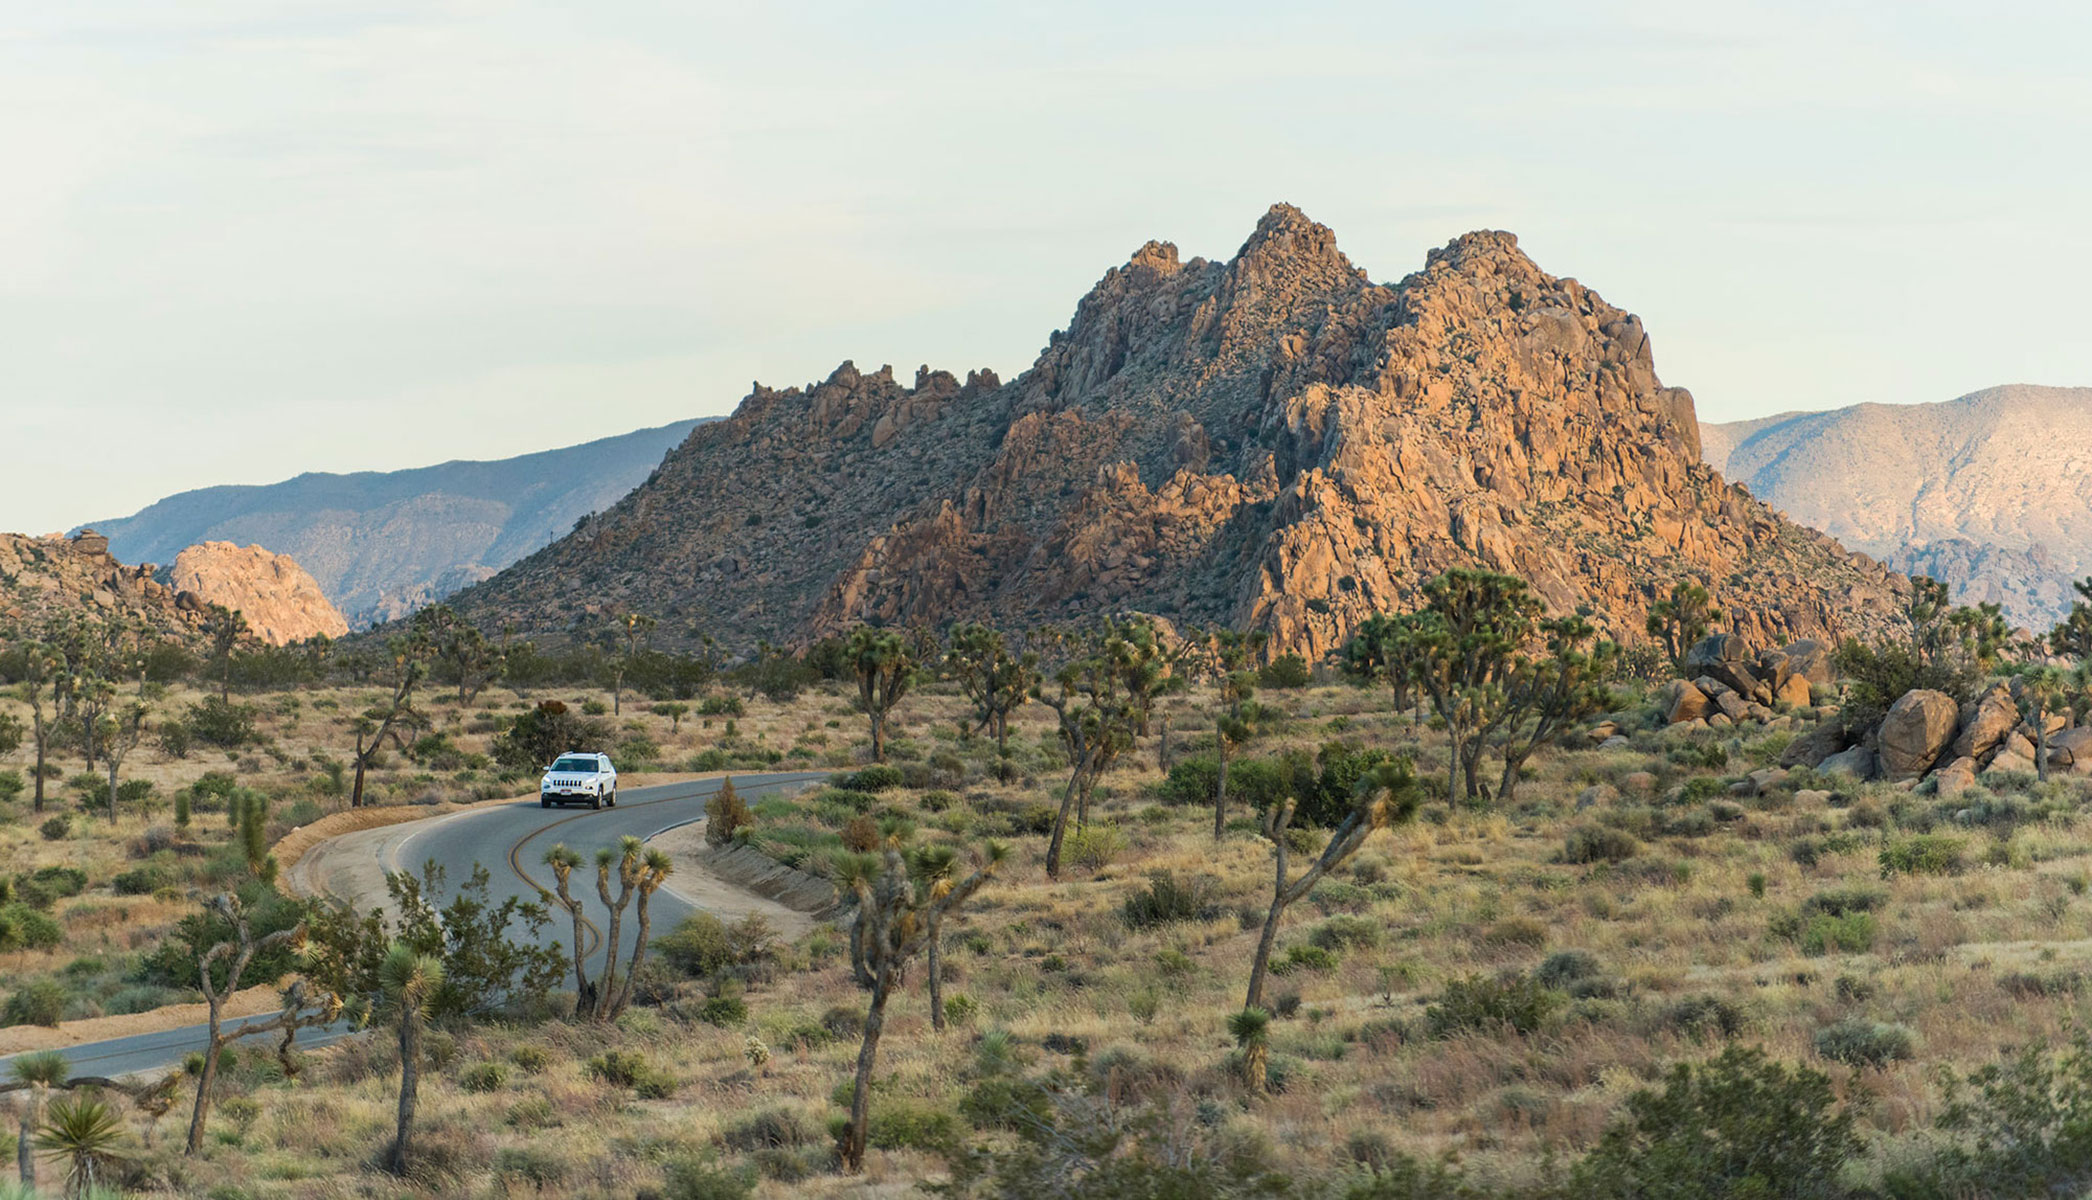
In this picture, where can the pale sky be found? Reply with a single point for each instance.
(242, 239)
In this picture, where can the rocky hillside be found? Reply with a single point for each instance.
(1991, 493)
(382, 544)
(45, 576)
(281, 602)
(1275, 442)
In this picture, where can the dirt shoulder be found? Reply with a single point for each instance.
(18, 1039)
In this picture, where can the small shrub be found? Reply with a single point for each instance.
(1092, 847)
(1485, 1003)
(723, 1009)
(689, 1179)
(878, 777)
(1922, 854)
(1698, 1017)
(1565, 969)
(1286, 671)
(56, 828)
(625, 1068)
(1516, 931)
(1599, 843)
(1852, 933)
(774, 1128)
(38, 1002)
(529, 1059)
(528, 1164)
(484, 1077)
(1862, 1043)
(1346, 932)
(1167, 900)
(960, 1009)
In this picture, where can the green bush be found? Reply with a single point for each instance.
(1922, 854)
(1852, 933)
(1566, 970)
(723, 1010)
(1738, 1128)
(690, 1179)
(56, 829)
(484, 1077)
(697, 946)
(215, 721)
(1488, 1003)
(141, 881)
(38, 1002)
(530, 1059)
(24, 928)
(540, 1168)
(1092, 847)
(2021, 1127)
(1346, 933)
(878, 777)
(1167, 900)
(1861, 1043)
(1599, 843)
(774, 1128)
(722, 704)
(1305, 958)
(898, 1124)
(626, 1068)
(1286, 671)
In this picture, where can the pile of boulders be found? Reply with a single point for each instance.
(1925, 735)
(1726, 683)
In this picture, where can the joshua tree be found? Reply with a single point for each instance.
(675, 711)
(121, 732)
(40, 1073)
(654, 869)
(635, 629)
(2072, 637)
(236, 954)
(628, 860)
(1464, 644)
(898, 921)
(1143, 665)
(1236, 721)
(1543, 696)
(1251, 1029)
(227, 630)
(563, 861)
(995, 680)
(1096, 726)
(2043, 692)
(1387, 794)
(86, 1134)
(466, 654)
(886, 669)
(40, 669)
(408, 979)
(391, 720)
(1682, 619)
(935, 870)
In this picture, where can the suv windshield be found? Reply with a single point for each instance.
(586, 766)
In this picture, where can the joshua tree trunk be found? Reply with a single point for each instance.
(867, 1055)
(1269, 937)
(204, 1079)
(646, 925)
(936, 939)
(410, 1080)
(42, 740)
(1220, 791)
(878, 719)
(25, 1150)
(356, 795)
(1060, 823)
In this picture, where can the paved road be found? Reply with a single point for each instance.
(510, 840)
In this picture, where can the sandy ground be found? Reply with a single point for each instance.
(245, 1003)
(699, 887)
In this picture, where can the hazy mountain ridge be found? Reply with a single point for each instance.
(381, 543)
(1991, 492)
(1275, 442)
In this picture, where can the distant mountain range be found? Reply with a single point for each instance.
(1991, 493)
(382, 543)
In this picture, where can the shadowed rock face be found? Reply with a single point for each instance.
(1275, 442)
(1990, 493)
(280, 601)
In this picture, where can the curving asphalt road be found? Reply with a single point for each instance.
(510, 840)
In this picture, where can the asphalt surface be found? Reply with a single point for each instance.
(510, 840)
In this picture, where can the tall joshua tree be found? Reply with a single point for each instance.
(227, 630)
(236, 953)
(634, 628)
(997, 681)
(563, 861)
(935, 870)
(408, 980)
(390, 720)
(899, 919)
(1388, 794)
(1235, 722)
(1681, 619)
(886, 668)
(1096, 726)
(654, 869)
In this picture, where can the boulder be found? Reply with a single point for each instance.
(1765, 780)
(1956, 777)
(1773, 668)
(1856, 763)
(1757, 712)
(1919, 727)
(1718, 720)
(1812, 796)
(2010, 759)
(1690, 704)
(1809, 659)
(2018, 745)
(1726, 657)
(1597, 793)
(1733, 706)
(1615, 742)
(1603, 731)
(1985, 721)
(1794, 693)
(2071, 748)
(1813, 747)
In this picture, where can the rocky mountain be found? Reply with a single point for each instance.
(1991, 493)
(281, 602)
(383, 543)
(1276, 442)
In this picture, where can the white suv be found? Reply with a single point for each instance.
(579, 779)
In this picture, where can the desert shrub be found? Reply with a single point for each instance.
(1844, 901)
(690, 1179)
(626, 1068)
(1346, 932)
(38, 1002)
(1092, 847)
(1878, 676)
(697, 946)
(540, 1168)
(1286, 671)
(723, 1009)
(878, 777)
(530, 1059)
(46, 885)
(1737, 1128)
(1599, 843)
(1861, 1043)
(843, 1022)
(898, 1124)
(960, 1008)
(484, 1077)
(1305, 958)
(1516, 931)
(1698, 1017)
(1487, 1003)
(25, 928)
(1567, 969)
(141, 881)
(532, 1112)
(725, 815)
(1824, 933)
(1922, 854)
(2020, 1127)
(56, 829)
(722, 704)
(215, 721)
(1167, 900)
(774, 1128)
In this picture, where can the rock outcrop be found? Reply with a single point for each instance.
(281, 602)
(47, 577)
(1275, 442)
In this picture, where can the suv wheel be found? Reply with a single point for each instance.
(595, 801)
(544, 801)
